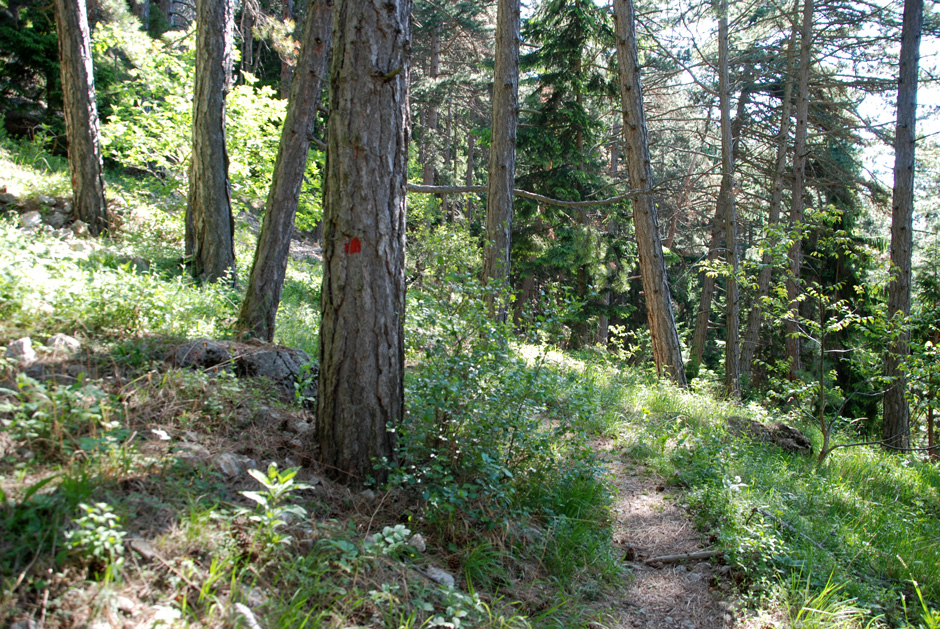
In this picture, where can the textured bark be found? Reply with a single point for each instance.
(141, 8)
(799, 185)
(666, 350)
(502, 167)
(728, 209)
(209, 226)
(259, 309)
(752, 332)
(81, 114)
(361, 396)
(896, 429)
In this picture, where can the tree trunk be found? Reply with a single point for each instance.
(433, 114)
(603, 320)
(799, 184)
(468, 179)
(502, 166)
(210, 229)
(896, 430)
(728, 211)
(752, 333)
(360, 391)
(287, 70)
(141, 8)
(81, 115)
(666, 350)
(259, 310)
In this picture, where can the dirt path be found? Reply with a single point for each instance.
(650, 524)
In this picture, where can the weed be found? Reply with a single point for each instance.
(100, 539)
(272, 512)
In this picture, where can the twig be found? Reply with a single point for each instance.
(790, 527)
(683, 557)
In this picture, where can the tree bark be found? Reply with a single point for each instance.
(793, 343)
(210, 228)
(896, 430)
(752, 332)
(502, 166)
(666, 350)
(259, 309)
(729, 211)
(433, 115)
(81, 115)
(287, 70)
(360, 391)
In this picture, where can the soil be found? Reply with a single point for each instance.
(649, 523)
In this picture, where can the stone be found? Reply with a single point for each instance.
(284, 367)
(21, 351)
(300, 427)
(63, 345)
(417, 541)
(368, 494)
(30, 219)
(232, 465)
(203, 353)
(192, 437)
(440, 576)
(191, 454)
(142, 547)
(126, 605)
(7, 199)
(134, 263)
(29, 623)
(57, 219)
(45, 200)
(80, 228)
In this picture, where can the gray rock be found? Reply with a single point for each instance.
(21, 351)
(30, 219)
(142, 547)
(80, 228)
(301, 428)
(29, 623)
(283, 366)
(126, 605)
(191, 453)
(43, 199)
(368, 494)
(232, 465)
(7, 199)
(440, 576)
(417, 540)
(57, 219)
(63, 345)
(202, 353)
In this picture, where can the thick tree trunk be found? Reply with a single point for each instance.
(793, 343)
(259, 310)
(209, 226)
(361, 394)
(896, 429)
(666, 350)
(81, 114)
(752, 332)
(729, 211)
(502, 166)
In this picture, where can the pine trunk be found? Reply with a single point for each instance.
(209, 226)
(81, 115)
(666, 350)
(259, 310)
(360, 391)
(502, 165)
(896, 430)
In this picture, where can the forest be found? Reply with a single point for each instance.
(406, 313)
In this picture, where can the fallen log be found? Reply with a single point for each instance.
(702, 554)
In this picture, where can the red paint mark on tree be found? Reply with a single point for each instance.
(353, 246)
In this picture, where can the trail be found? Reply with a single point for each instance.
(649, 523)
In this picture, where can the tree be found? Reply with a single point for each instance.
(81, 115)
(259, 309)
(210, 229)
(896, 430)
(360, 390)
(666, 350)
(502, 165)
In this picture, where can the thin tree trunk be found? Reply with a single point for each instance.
(666, 350)
(210, 229)
(259, 309)
(502, 166)
(287, 70)
(729, 211)
(81, 115)
(603, 320)
(752, 333)
(896, 421)
(468, 179)
(433, 113)
(799, 184)
(360, 390)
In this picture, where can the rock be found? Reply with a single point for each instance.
(30, 219)
(63, 345)
(7, 199)
(301, 428)
(417, 541)
(368, 494)
(80, 228)
(191, 454)
(192, 437)
(21, 351)
(202, 353)
(232, 465)
(134, 263)
(79, 246)
(29, 623)
(45, 200)
(284, 367)
(142, 547)
(778, 433)
(440, 576)
(125, 605)
(57, 219)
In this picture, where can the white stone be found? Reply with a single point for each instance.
(30, 219)
(63, 344)
(21, 350)
(441, 576)
(417, 540)
(234, 464)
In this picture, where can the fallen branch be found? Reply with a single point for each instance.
(682, 557)
(525, 194)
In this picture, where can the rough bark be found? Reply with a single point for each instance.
(755, 316)
(896, 430)
(259, 309)
(360, 391)
(793, 343)
(666, 350)
(502, 166)
(728, 210)
(209, 226)
(81, 114)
